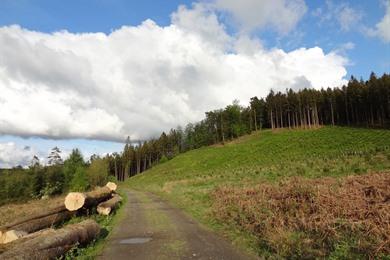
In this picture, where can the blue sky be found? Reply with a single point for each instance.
(369, 53)
(356, 38)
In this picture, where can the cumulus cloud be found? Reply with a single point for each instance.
(141, 80)
(382, 28)
(282, 15)
(12, 155)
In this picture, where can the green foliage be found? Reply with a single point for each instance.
(74, 162)
(15, 184)
(163, 159)
(97, 172)
(54, 180)
(38, 182)
(265, 156)
(21, 184)
(79, 181)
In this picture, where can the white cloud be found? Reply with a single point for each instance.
(347, 17)
(343, 48)
(382, 28)
(282, 15)
(12, 155)
(140, 80)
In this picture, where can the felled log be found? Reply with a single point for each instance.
(106, 207)
(15, 243)
(22, 227)
(54, 243)
(112, 186)
(78, 200)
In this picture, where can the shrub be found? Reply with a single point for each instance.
(301, 218)
(71, 165)
(97, 172)
(163, 159)
(79, 181)
(16, 184)
(38, 182)
(55, 180)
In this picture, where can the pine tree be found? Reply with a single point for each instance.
(54, 157)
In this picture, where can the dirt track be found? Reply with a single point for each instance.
(152, 229)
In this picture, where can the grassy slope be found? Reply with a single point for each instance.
(264, 157)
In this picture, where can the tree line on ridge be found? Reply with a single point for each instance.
(359, 103)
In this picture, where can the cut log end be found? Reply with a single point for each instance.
(112, 186)
(12, 235)
(74, 201)
(106, 207)
(104, 211)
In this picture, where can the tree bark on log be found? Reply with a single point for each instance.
(77, 200)
(35, 222)
(54, 243)
(106, 207)
(8, 246)
(19, 230)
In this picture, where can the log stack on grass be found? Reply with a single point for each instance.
(103, 197)
(106, 207)
(18, 240)
(51, 244)
(77, 200)
(32, 223)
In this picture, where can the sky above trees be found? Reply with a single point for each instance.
(103, 70)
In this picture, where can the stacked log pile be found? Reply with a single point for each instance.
(51, 244)
(106, 207)
(19, 228)
(33, 237)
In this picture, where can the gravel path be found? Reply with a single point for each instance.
(152, 229)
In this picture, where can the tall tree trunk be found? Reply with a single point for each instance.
(331, 112)
(116, 170)
(314, 115)
(308, 116)
(222, 133)
(383, 116)
(146, 162)
(254, 112)
(250, 121)
(301, 115)
(289, 122)
(138, 164)
(281, 117)
(346, 110)
(293, 120)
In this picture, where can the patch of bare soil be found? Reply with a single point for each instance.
(10, 212)
(313, 218)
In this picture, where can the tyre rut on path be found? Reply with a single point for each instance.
(153, 229)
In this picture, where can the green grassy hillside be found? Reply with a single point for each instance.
(190, 179)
